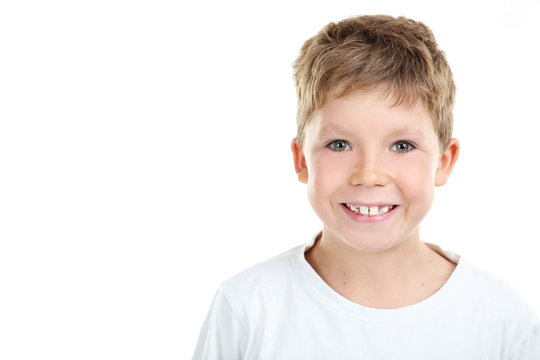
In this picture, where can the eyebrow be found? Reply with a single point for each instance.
(408, 130)
(401, 131)
(334, 128)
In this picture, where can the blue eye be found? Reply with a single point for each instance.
(339, 145)
(403, 147)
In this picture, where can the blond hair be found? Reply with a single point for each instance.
(367, 52)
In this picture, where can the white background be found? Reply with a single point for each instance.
(144, 159)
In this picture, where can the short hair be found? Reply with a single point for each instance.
(366, 52)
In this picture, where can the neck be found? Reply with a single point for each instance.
(401, 275)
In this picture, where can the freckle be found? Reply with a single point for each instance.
(344, 274)
(422, 284)
(344, 283)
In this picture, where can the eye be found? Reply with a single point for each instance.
(339, 145)
(403, 147)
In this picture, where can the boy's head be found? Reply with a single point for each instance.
(374, 129)
(368, 52)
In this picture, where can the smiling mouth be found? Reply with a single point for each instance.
(370, 210)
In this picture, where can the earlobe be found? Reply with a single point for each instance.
(299, 162)
(446, 163)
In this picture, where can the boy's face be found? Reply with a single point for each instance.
(371, 169)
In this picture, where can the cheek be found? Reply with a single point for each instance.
(326, 175)
(330, 169)
(416, 180)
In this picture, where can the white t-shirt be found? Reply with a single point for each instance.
(282, 309)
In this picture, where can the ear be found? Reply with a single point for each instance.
(447, 162)
(299, 162)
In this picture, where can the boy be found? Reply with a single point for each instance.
(375, 98)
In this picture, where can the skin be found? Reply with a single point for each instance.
(360, 149)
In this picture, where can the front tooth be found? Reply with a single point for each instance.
(373, 210)
(364, 210)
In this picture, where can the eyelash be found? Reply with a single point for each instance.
(331, 146)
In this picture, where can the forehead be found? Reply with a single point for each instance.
(373, 110)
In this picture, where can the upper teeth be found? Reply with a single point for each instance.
(371, 210)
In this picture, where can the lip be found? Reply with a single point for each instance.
(368, 219)
(380, 204)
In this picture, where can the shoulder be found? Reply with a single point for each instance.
(264, 290)
(244, 302)
(505, 311)
(493, 291)
(478, 287)
(265, 277)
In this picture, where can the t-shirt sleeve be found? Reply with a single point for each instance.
(223, 334)
(529, 348)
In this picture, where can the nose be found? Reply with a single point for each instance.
(369, 173)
